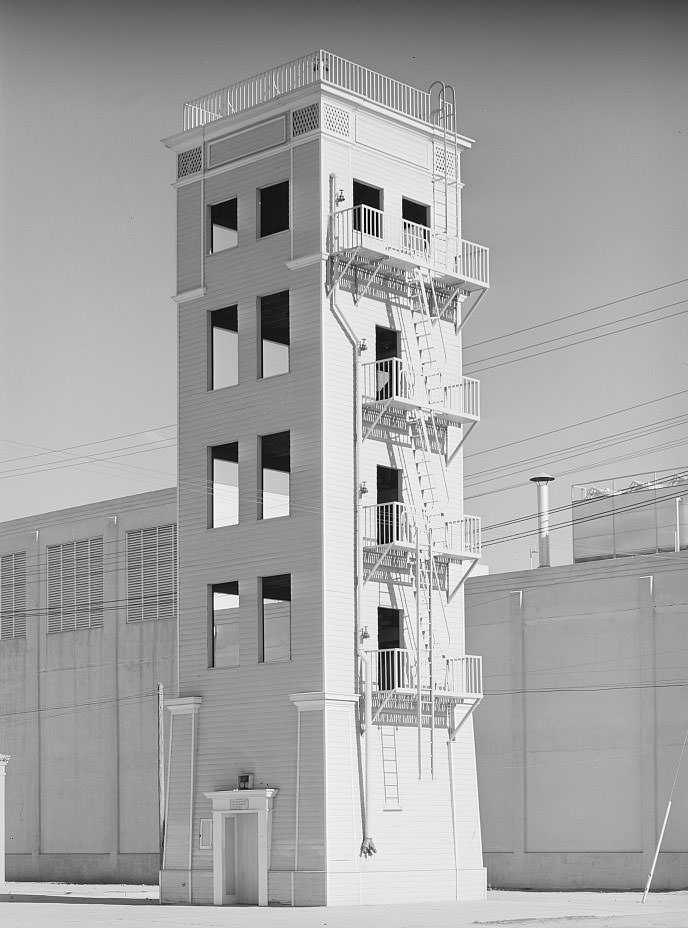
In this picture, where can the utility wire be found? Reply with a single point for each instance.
(593, 328)
(582, 341)
(581, 312)
(565, 428)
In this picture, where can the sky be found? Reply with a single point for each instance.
(578, 183)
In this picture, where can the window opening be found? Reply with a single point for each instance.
(275, 467)
(276, 630)
(388, 643)
(273, 209)
(274, 334)
(388, 509)
(224, 355)
(225, 485)
(224, 231)
(224, 625)
(367, 209)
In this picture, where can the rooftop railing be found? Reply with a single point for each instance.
(320, 66)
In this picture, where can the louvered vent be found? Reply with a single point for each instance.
(189, 162)
(305, 120)
(336, 120)
(75, 585)
(152, 573)
(13, 595)
(445, 160)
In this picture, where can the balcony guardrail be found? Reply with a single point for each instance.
(369, 228)
(460, 536)
(464, 397)
(391, 378)
(395, 524)
(388, 523)
(394, 378)
(396, 669)
(320, 66)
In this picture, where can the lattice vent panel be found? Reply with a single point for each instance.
(336, 120)
(305, 120)
(189, 162)
(445, 161)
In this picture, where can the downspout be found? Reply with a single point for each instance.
(367, 845)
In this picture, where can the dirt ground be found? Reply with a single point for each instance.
(64, 905)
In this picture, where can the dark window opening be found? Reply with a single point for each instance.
(389, 669)
(276, 618)
(275, 466)
(367, 209)
(274, 334)
(224, 355)
(273, 209)
(388, 508)
(223, 638)
(223, 226)
(224, 509)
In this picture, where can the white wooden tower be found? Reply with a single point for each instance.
(320, 745)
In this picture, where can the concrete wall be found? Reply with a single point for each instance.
(80, 711)
(582, 724)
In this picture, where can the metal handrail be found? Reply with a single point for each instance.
(388, 524)
(460, 536)
(398, 668)
(394, 378)
(367, 227)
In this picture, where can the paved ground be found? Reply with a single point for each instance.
(63, 905)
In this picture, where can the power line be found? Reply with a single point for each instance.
(565, 428)
(86, 444)
(581, 312)
(594, 328)
(582, 341)
(589, 447)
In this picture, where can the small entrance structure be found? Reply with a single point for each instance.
(242, 822)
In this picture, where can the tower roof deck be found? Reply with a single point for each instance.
(319, 67)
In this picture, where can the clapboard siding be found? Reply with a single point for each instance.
(311, 820)
(189, 237)
(307, 217)
(343, 789)
(178, 822)
(247, 722)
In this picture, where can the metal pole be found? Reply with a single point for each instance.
(677, 542)
(419, 689)
(659, 842)
(161, 772)
(431, 659)
(666, 818)
(542, 483)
